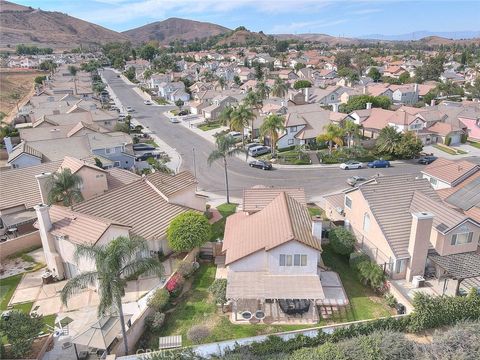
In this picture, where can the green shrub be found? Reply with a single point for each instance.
(155, 321)
(159, 299)
(356, 258)
(219, 290)
(187, 231)
(390, 300)
(372, 274)
(342, 241)
(21, 330)
(448, 140)
(464, 138)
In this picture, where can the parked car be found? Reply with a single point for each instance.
(148, 102)
(130, 109)
(145, 156)
(425, 160)
(253, 144)
(355, 180)
(236, 135)
(261, 164)
(174, 120)
(258, 150)
(379, 164)
(143, 147)
(351, 164)
(121, 116)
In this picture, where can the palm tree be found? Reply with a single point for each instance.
(114, 262)
(241, 117)
(333, 134)
(263, 91)
(222, 82)
(352, 130)
(271, 126)
(254, 102)
(225, 116)
(279, 88)
(65, 188)
(225, 149)
(388, 140)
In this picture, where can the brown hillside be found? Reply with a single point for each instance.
(438, 40)
(24, 25)
(242, 37)
(174, 29)
(321, 38)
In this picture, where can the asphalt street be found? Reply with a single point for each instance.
(315, 181)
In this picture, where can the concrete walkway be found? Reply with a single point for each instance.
(470, 151)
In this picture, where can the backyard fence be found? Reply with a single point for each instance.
(20, 243)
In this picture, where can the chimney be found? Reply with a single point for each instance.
(369, 105)
(8, 144)
(364, 90)
(307, 94)
(415, 88)
(419, 243)
(317, 228)
(44, 185)
(432, 102)
(335, 107)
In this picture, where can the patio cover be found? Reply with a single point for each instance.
(101, 333)
(458, 266)
(262, 285)
(19, 218)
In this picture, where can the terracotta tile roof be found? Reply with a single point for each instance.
(117, 177)
(136, 204)
(79, 228)
(170, 184)
(450, 171)
(284, 219)
(258, 197)
(75, 164)
(20, 187)
(377, 119)
(442, 128)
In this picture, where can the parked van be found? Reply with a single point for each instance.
(258, 150)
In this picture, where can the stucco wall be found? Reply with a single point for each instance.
(189, 199)
(443, 243)
(25, 160)
(254, 262)
(291, 248)
(20, 243)
(94, 182)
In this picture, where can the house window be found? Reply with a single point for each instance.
(366, 222)
(116, 163)
(106, 122)
(296, 260)
(293, 129)
(303, 260)
(400, 266)
(332, 97)
(282, 260)
(463, 238)
(286, 260)
(290, 141)
(348, 202)
(433, 181)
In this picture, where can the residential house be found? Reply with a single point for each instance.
(218, 104)
(271, 253)
(405, 94)
(402, 224)
(446, 174)
(173, 91)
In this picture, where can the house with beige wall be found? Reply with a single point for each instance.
(403, 225)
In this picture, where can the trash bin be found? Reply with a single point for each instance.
(400, 309)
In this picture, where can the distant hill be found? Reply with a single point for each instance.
(243, 37)
(25, 25)
(174, 29)
(419, 35)
(438, 40)
(321, 38)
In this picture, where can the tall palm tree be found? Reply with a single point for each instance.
(225, 149)
(65, 188)
(352, 130)
(279, 88)
(225, 116)
(254, 102)
(388, 140)
(114, 262)
(333, 135)
(263, 91)
(241, 117)
(271, 126)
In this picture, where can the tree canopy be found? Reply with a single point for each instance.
(360, 102)
(187, 231)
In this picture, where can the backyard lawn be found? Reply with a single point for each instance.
(365, 304)
(7, 287)
(197, 308)
(218, 228)
(209, 126)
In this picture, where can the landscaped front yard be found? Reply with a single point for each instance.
(218, 227)
(209, 125)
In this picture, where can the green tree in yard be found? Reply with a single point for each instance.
(302, 84)
(21, 330)
(279, 88)
(409, 146)
(48, 65)
(360, 102)
(218, 289)
(371, 274)
(147, 52)
(352, 130)
(65, 188)
(271, 127)
(130, 73)
(333, 135)
(299, 66)
(225, 148)
(179, 103)
(342, 241)
(255, 102)
(404, 78)
(263, 90)
(114, 263)
(388, 140)
(343, 59)
(374, 73)
(236, 80)
(72, 70)
(226, 115)
(40, 79)
(241, 117)
(187, 231)
(281, 46)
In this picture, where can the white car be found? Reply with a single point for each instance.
(351, 164)
(174, 120)
(130, 109)
(148, 102)
(236, 135)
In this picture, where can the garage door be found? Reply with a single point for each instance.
(455, 139)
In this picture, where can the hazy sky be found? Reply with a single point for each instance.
(336, 17)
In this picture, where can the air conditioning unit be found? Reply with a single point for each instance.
(418, 281)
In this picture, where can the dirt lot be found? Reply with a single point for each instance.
(14, 86)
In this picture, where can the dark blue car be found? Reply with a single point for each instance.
(379, 164)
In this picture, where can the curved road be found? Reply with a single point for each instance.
(316, 181)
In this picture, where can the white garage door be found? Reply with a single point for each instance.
(455, 139)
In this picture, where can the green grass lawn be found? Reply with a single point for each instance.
(7, 287)
(365, 304)
(293, 157)
(218, 228)
(197, 308)
(315, 210)
(209, 126)
(449, 150)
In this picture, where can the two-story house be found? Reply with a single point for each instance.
(219, 103)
